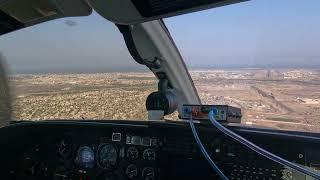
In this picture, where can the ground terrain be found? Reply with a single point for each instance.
(276, 98)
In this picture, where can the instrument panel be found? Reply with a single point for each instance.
(146, 151)
(118, 156)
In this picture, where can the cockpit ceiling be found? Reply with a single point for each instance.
(16, 14)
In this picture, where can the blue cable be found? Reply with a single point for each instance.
(205, 153)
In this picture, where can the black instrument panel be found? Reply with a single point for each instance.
(145, 150)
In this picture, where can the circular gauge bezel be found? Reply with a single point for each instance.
(136, 168)
(65, 148)
(132, 147)
(145, 151)
(144, 171)
(98, 156)
(82, 164)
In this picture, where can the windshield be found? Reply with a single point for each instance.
(75, 68)
(261, 56)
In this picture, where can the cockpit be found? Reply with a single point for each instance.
(152, 90)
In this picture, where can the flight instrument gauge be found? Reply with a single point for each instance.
(149, 155)
(148, 173)
(132, 171)
(107, 156)
(132, 153)
(85, 157)
(65, 148)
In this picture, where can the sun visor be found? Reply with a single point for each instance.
(137, 11)
(22, 13)
(8, 24)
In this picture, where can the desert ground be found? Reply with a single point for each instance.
(276, 98)
(282, 98)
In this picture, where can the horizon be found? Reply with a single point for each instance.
(144, 70)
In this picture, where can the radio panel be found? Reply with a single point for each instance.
(223, 113)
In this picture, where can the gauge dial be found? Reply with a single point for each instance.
(107, 156)
(132, 153)
(85, 157)
(149, 155)
(148, 173)
(65, 148)
(132, 171)
(60, 173)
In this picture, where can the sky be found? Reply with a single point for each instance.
(258, 33)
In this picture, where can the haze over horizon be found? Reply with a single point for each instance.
(253, 34)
